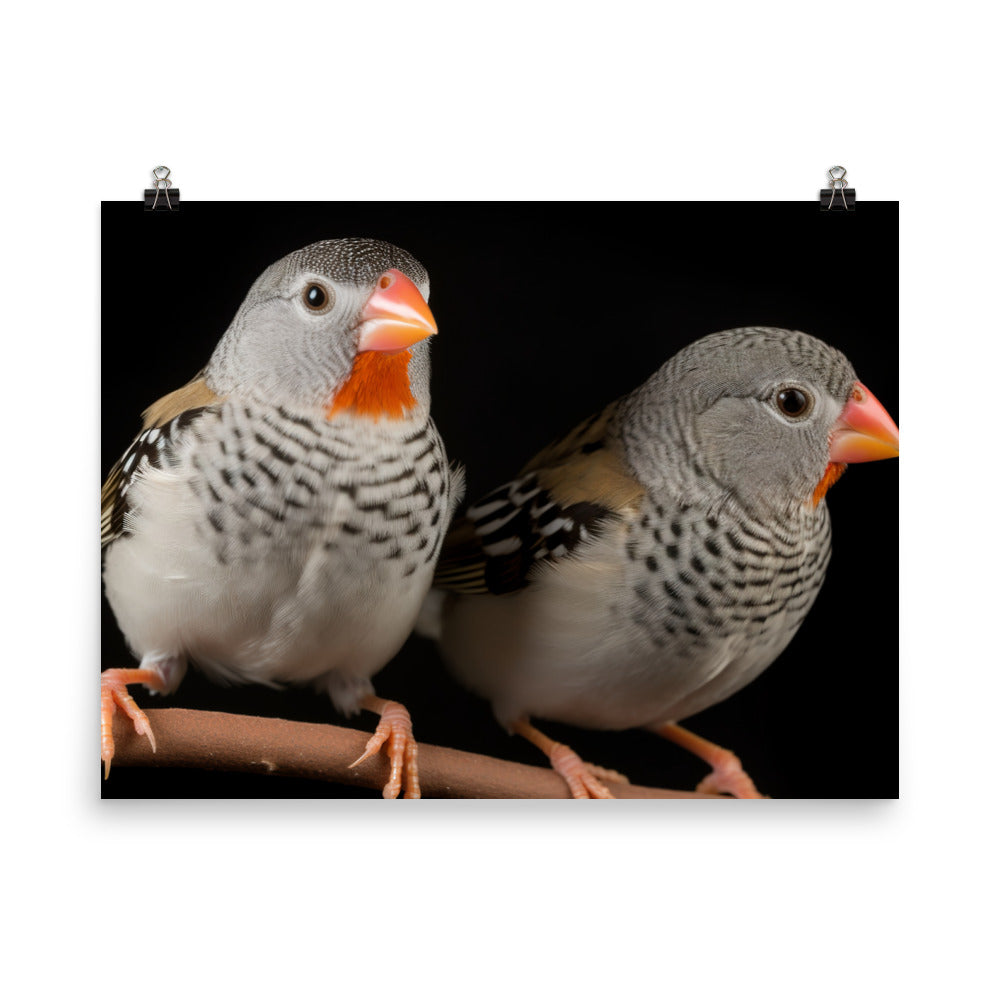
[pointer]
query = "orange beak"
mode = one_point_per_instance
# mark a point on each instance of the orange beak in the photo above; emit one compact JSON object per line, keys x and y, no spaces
{"x":396,"y":316}
{"x":864,"y":431}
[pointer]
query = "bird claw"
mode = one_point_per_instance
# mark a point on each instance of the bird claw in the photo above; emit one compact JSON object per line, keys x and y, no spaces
{"x":395,"y":728}
{"x":114,"y":695}
{"x":729,"y":778}
{"x":606,"y":773}
{"x":583,"y":779}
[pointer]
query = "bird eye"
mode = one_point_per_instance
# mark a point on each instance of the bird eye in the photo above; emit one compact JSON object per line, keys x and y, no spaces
{"x":316,"y":297}
{"x":793,"y":402}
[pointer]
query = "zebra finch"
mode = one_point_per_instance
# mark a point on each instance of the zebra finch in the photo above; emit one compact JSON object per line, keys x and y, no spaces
{"x":663,"y":554}
{"x":278,"y":518}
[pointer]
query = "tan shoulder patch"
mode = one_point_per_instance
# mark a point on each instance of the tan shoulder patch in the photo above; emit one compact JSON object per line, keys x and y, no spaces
{"x":193,"y":396}
{"x":587,"y":466}
{"x":188,"y":397}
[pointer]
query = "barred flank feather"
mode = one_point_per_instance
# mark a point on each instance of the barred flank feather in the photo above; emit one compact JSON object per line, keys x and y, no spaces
{"x":161,"y":426}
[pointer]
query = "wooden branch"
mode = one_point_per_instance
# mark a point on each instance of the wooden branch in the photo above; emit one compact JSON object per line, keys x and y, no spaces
{"x":221,"y":741}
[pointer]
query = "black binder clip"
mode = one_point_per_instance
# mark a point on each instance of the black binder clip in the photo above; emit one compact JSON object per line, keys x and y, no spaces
{"x":829,"y":200}
{"x":171,"y":199}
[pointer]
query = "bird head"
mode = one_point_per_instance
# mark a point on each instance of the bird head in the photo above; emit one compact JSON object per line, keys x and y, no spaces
{"x":338,"y":326}
{"x":768,"y":416}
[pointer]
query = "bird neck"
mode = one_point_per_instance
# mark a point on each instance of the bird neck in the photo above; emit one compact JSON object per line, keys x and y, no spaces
{"x":834,"y":471}
{"x":378,"y":387}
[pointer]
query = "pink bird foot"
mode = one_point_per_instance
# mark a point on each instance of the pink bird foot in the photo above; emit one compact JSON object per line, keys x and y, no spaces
{"x":727,"y":777}
{"x":585,"y":781}
{"x":394,"y":728}
{"x":114,"y":695}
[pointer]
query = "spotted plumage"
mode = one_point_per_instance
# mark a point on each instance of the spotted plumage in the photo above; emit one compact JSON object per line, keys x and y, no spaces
{"x":494,"y":546}
{"x":498,"y":540}
{"x":663,"y":554}
{"x":155,"y":447}
{"x":278,"y":519}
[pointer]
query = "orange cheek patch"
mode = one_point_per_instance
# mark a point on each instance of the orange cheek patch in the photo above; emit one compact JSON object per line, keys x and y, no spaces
{"x":834,"y":471}
{"x":379,"y":386}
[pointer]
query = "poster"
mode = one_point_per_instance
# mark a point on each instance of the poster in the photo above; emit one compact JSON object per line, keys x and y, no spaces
{"x":546,"y":312}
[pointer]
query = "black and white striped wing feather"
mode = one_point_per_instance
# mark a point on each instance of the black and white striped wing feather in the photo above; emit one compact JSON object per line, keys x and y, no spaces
{"x":153,"y":448}
{"x":493,"y":547}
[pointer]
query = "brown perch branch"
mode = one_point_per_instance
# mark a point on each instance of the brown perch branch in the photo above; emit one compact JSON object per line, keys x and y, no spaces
{"x":225,"y":742}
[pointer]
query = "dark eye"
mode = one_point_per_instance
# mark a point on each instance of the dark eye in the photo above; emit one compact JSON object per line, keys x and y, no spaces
{"x":316,"y":297}
{"x":793,"y":402}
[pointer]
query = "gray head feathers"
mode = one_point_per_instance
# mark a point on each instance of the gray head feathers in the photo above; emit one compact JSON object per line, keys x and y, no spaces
{"x":708,"y":427}
{"x":280,"y":350}
{"x":355,"y":261}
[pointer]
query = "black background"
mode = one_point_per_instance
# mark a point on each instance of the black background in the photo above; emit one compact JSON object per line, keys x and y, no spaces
{"x":547,"y":311}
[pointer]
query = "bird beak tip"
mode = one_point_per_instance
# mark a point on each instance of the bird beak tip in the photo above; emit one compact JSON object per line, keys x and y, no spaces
{"x":864,"y":432}
{"x":395,"y":316}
